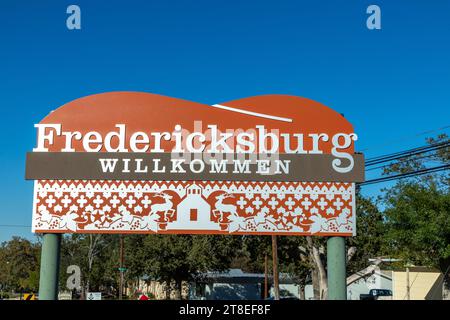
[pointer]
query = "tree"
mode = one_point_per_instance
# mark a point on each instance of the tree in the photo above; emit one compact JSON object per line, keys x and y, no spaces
{"x":173,"y":259}
{"x":292,"y":257}
{"x":294,"y":260}
{"x":253,"y":252}
{"x":316,"y":249}
{"x":418,"y":221}
{"x":19,"y":265}
{"x":97,"y":257}
{"x":369,"y":241}
{"x":418,"y":208}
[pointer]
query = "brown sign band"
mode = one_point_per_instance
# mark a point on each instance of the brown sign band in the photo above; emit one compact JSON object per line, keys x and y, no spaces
{"x":173,"y":167}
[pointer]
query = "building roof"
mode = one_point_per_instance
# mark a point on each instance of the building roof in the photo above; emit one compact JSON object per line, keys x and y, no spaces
{"x":239,"y":276}
{"x":236,"y":276}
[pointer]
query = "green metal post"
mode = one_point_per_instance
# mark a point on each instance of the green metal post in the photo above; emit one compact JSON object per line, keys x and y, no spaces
{"x":48,"y":281}
{"x":337,"y":286}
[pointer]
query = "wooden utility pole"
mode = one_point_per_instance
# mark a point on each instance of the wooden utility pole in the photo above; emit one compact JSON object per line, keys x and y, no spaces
{"x":121,"y":268}
{"x":266,"y":274}
{"x":408,"y":287}
{"x":275,"y":268}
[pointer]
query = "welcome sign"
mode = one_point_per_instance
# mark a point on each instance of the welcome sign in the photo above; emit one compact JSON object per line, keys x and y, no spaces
{"x":131,"y":162}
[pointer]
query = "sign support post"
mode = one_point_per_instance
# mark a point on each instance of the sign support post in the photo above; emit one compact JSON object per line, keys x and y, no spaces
{"x":336,"y":265}
{"x":48,"y":281}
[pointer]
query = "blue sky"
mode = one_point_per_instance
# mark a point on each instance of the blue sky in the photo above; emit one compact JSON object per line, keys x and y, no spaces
{"x":392,"y":84}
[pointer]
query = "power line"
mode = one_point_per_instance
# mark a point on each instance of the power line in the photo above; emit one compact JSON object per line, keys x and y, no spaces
{"x":407,"y":174}
{"x":402,"y":161}
{"x":405,"y":156}
{"x":407,"y":153}
{"x":402,"y":138}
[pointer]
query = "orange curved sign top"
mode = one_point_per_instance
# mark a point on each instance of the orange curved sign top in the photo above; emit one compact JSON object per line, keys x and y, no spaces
{"x":147,"y":113}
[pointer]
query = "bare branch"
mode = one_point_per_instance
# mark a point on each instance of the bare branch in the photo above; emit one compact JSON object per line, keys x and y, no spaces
{"x":363,"y":273}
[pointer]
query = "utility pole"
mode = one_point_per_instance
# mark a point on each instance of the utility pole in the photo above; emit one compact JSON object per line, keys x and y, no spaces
{"x":408,"y":287}
{"x":275,"y":267}
{"x":121,"y":268}
{"x":266,"y":271}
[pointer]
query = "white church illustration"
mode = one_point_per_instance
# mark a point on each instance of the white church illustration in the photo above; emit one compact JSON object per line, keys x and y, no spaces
{"x":193,"y":212}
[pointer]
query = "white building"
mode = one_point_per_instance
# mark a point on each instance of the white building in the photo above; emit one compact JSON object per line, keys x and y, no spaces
{"x":424,"y":284}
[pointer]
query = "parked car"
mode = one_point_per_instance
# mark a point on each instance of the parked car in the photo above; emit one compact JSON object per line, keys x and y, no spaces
{"x":377,"y":294}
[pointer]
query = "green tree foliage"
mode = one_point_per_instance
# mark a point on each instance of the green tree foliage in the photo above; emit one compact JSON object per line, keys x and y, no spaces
{"x":97,"y":256}
{"x":292,"y":256}
{"x":370,"y":234}
{"x":253,"y":252}
{"x":418,"y":210}
{"x":418,"y":221}
{"x":19,"y":265}
{"x":177,"y":258}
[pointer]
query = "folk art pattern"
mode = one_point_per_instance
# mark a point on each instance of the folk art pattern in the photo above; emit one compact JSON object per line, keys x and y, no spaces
{"x":207,"y":207}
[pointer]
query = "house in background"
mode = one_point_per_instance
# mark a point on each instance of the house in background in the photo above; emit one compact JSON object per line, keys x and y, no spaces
{"x":235,"y":284}
{"x":380,"y":279}
{"x":425,"y":284}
